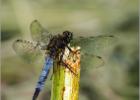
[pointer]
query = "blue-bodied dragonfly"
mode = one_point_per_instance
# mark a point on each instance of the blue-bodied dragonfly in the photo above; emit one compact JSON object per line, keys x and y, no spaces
{"x":54,"y":46}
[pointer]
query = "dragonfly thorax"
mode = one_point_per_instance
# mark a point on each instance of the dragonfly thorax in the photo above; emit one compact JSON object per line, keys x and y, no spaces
{"x":58,"y":43}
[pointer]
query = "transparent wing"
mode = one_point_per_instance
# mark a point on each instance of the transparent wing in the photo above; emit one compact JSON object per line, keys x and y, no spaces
{"x":91,"y":61}
{"x":94,"y":45}
{"x":91,"y":48}
{"x":39,"y":33}
{"x":27,"y":50}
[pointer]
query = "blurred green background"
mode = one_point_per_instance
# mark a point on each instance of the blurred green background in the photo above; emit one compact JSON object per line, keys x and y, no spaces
{"x":118,"y":79}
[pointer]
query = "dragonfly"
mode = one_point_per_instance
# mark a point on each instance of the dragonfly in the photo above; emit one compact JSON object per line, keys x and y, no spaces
{"x":54,"y":47}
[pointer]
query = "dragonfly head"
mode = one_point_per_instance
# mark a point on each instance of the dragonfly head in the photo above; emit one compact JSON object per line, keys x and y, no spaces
{"x":68,"y":36}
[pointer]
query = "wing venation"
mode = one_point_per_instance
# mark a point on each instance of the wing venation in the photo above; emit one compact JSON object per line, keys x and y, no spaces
{"x":26,"y":50}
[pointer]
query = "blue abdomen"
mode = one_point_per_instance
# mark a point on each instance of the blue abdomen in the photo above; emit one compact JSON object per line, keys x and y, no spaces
{"x":45,"y":71}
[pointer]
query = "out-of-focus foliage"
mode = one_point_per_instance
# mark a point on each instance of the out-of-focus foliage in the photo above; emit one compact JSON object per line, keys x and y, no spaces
{"x":116,"y":80}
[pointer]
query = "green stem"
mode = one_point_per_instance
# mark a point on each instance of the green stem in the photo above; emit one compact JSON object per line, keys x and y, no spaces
{"x":65,"y":84}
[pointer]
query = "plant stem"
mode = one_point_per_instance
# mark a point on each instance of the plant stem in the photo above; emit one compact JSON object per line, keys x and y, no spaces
{"x":65,"y":85}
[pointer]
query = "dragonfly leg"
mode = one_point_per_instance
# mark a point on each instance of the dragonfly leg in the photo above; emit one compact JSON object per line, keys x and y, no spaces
{"x":61,"y":57}
{"x":69,"y":48}
{"x":58,"y":63}
{"x":74,"y":52}
{"x":70,"y":68}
